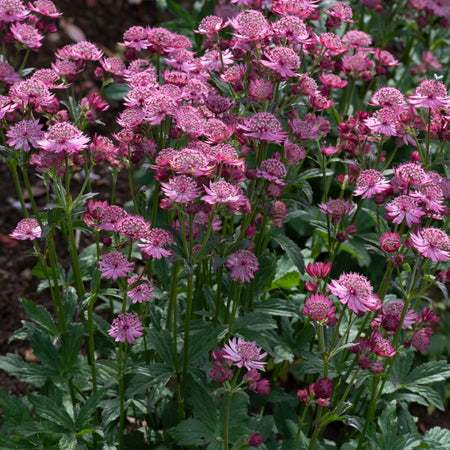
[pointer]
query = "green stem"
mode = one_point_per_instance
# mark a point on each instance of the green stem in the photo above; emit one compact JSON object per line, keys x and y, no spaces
{"x":227,"y":419}
{"x":300,"y":426}
{"x":187,"y":324}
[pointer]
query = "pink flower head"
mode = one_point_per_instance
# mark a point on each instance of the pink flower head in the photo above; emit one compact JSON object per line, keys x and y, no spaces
{"x":222,"y":192}
{"x":388,"y":97}
{"x":64,"y":137}
{"x":410,"y":174}
{"x":404,"y":208}
{"x":210,"y":26}
{"x":190,"y":161}
{"x":282,"y":60}
{"x":310,"y":127}
{"x":13,"y":11}
{"x":319,"y":307}
{"x":31,"y":92}
{"x":332,"y":81}
{"x":7,"y":73}
{"x":140,"y":289}
{"x":242,"y":265}
{"x":370,"y":182}
{"x":190,"y":121}
{"x":432,"y":243}
{"x":421,"y":339}
{"x":381,"y":346}
{"x":273,"y":170}
{"x":323,"y":388}
{"x":181,"y":189}
{"x":356,"y":39}
{"x":395,"y":309}
{"x":245,"y":354}
{"x":133,"y":227}
{"x":431,"y":196}
{"x":299,"y":8}
{"x":45,"y":7}
{"x":355,"y":291}
{"x":250,"y":25}
{"x":291,"y":28}
{"x":115,"y":265}
{"x":337,"y":207}
{"x":430,"y":94}
{"x":154,"y":243}
{"x":383,"y":121}
{"x":126,"y":328}
{"x":24,"y":134}
{"x":135,"y":37}
{"x":255,"y":440}
{"x":82,"y":50}
{"x":390,"y":242}
{"x":318,"y":269}
{"x":341,"y":11}
{"x":27,"y":35}
{"x":27,"y":229}
{"x":264,"y":126}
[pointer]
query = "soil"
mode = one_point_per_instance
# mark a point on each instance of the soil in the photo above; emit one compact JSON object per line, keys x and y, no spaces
{"x":102,"y":22}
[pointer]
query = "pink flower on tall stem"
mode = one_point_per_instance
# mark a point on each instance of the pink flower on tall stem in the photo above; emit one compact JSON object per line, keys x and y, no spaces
{"x":430,"y":94}
{"x":126,"y":328}
{"x":24,"y":134}
{"x":243,"y":353}
{"x":243,"y":264}
{"x":432,"y":243}
{"x":27,"y":229}
{"x":355,"y":291}
{"x":404,"y":208}
{"x":64,"y":137}
{"x":155,"y":242}
{"x":369,"y":183}
{"x":319,"y":307}
{"x":141,"y":289}
{"x":181,"y":189}
{"x":115,"y":265}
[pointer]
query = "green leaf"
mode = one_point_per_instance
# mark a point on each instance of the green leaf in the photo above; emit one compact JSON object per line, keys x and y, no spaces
{"x":69,"y":301}
{"x":203,"y":342}
{"x":429,"y":373}
{"x":86,"y":413}
{"x":68,"y":442}
{"x":88,"y":263}
{"x":30,"y":373}
{"x":14,"y":411}
{"x":44,"y":349}
{"x":163,"y":343}
{"x":116,"y":91}
{"x":437,"y":438}
{"x":70,"y":345}
{"x":39,"y":315}
{"x":48,"y":409}
{"x":203,"y":405}
{"x":291,"y":249}
{"x":277,"y":307}
{"x":267,"y":268}
{"x":193,"y":432}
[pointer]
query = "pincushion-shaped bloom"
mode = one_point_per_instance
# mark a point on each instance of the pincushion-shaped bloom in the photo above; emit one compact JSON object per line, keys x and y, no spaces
{"x":390,"y":242}
{"x":155,"y":242}
{"x":31,"y":92}
{"x":242,"y":265}
{"x":6,"y":105}
{"x":82,"y":50}
{"x":135,"y":37}
{"x":27,"y":229}
{"x":323,"y":388}
{"x":431,"y":196}
{"x":244,"y":354}
{"x":126,"y":328}
{"x":63,"y":137}
{"x":190,"y":121}
{"x":7,"y":73}
{"x":133,"y":227}
{"x":298,"y":8}
{"x":181,"y":189}
{"x":273,"y":170}
{"x":27,"y":35}
{"x":310,"y":127}
{"x":383,"y":121}
{"x":250,"y":25}
{"x":388,"y":97}
{"x":190,"y":161}
{"x":157,"y":106}
{"x":404,"y":208}
{"x":115,"y":265}
{"x":318,"y":307}
{"x":318,"y":269}
{"x":370,"y":182}
{"x":210,"y":26}
{"x":222,"y":192}
{"x":410,"y":174}
{"x":357,"y":39}
{"x":264,"y":126}
{"x":291,"y":28}
{"x":381,"y":346}
{"x":432,"y":243}
{"x":430,"y":94}
{"x":332,"y":80}
{"x":282,"y":60}
{"x":45,"y":7}
{"x":141,"y":289}
{"x":341,"y":11}
{"x":13,"y":11}
{"x":355,"y":291}
{"x":421,"y":339}
{"x":337,"y":207}
{"x":395,"y":309}
{"x":24,"y":134}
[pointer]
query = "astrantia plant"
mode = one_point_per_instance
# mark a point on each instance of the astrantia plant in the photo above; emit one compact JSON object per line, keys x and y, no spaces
{"x":282,"y":256}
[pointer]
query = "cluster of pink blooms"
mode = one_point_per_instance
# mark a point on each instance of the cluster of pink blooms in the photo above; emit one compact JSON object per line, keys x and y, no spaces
{"x":320,"y":391}
{"x":240,"y":353}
